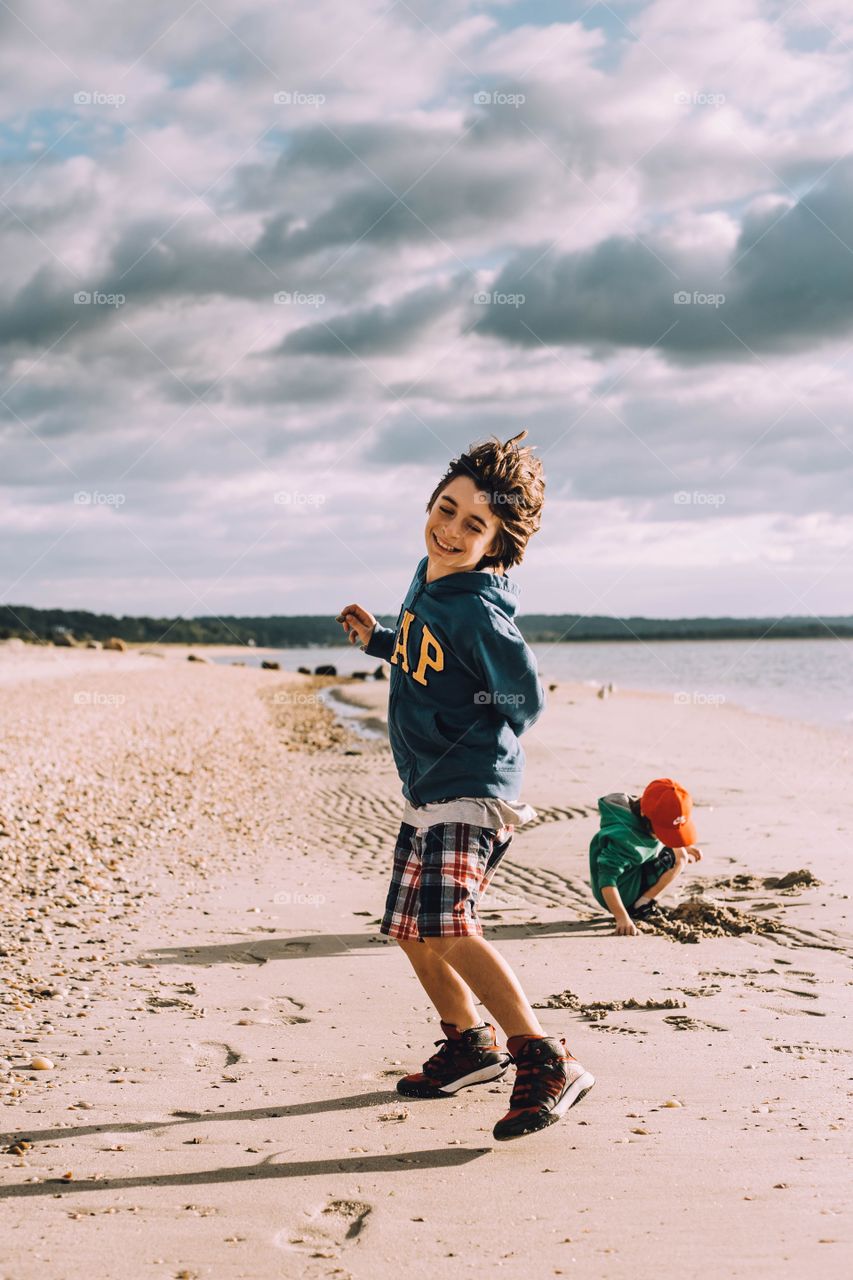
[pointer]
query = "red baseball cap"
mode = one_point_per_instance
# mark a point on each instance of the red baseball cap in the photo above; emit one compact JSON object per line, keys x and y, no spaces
{"x":667,"y":806}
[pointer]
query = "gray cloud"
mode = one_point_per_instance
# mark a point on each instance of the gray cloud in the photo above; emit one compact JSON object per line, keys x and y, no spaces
{"x":788,"y":285}
{"x":374,"y":330}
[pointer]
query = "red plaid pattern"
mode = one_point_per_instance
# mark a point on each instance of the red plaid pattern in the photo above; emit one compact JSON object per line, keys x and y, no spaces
{"x":439,"y":877}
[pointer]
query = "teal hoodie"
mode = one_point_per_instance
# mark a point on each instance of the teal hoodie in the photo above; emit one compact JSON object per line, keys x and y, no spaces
{"x":464,"y":687}
{"x":618,"y":850}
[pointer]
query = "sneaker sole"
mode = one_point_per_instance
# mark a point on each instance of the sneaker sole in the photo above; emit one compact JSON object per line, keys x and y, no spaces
{"x":483,"y":1076}
{"x":577,"y":1090}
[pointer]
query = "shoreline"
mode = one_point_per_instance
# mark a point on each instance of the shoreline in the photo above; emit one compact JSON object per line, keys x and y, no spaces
{"x":37,"y":660}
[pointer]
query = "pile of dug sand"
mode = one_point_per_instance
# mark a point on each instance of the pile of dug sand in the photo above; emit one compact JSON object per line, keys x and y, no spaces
{"x":802,"y":879}
{"x":701,"y":918}
{"x":789,"y":883}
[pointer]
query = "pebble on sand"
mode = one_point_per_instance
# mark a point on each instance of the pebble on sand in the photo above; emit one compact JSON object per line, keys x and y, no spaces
{"x":40,"y":1064}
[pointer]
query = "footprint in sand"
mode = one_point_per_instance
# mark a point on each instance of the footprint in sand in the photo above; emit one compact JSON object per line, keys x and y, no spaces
{"x":682,"y":1022}
{"x":807,"y":1050}
{"x":212,"y":1055}
{"x":327,"y":1230}
{"x":288,"y":1010}
{"x":625,"y":1031}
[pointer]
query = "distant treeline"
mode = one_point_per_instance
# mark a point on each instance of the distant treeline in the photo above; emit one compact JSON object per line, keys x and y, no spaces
{"x":301,"y":632}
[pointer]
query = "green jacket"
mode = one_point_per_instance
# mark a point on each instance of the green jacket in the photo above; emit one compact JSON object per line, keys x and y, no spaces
{"x":618,"y":850}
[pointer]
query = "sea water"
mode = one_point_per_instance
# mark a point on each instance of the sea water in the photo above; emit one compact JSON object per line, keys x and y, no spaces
{"x":809,"y":680}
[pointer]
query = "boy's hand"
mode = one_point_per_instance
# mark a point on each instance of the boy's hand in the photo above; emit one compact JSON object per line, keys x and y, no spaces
{"x":694,"y":853}
{"x":625,"y":927}
{"x":358,"y":623}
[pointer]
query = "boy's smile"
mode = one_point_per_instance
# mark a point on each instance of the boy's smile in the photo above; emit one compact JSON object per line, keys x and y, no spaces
{"x":460,"y":529}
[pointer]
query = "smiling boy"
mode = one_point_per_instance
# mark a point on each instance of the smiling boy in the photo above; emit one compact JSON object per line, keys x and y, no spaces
{"x":464,"y":687}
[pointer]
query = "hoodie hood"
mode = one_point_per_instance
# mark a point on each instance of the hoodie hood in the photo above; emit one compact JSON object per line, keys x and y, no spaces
{"x":496,"y":588}
{"x":618,"y":821}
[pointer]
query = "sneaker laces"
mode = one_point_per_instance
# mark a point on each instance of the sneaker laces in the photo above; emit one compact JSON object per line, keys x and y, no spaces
{"x":448,"y":1050}
{"x":532,"y":1078}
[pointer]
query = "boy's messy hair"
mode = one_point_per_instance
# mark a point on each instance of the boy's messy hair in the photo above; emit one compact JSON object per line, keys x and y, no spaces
{"x":513,"y":478}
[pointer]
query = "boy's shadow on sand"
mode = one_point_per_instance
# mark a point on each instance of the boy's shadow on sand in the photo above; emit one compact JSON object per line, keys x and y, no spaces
{"x":405,"y":1161}
{"x":317,"y":945}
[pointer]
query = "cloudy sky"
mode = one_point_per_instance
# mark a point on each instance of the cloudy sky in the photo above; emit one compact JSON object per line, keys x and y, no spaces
{"x":267,"y":266}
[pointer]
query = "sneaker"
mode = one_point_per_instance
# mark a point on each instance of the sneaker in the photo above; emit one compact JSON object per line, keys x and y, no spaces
{"x":646,"y":911}
{"x":548,"y":1081}
{"x":464,"y":1058}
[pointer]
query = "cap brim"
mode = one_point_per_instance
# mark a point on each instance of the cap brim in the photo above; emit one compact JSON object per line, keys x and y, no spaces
{"x":679,"y":837}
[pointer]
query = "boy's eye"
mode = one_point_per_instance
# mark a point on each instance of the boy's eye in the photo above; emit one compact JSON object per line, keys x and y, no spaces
{"x":445,"y":511}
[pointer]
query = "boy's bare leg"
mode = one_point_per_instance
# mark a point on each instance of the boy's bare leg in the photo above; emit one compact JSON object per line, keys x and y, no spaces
{"x":451,"y":996}
{"x":485,"y":972}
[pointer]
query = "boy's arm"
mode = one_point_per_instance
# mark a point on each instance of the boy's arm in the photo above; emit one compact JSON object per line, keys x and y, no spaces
{"x":381,"y":642}
{"x":510,"y":677}
{"x":624,"y":924}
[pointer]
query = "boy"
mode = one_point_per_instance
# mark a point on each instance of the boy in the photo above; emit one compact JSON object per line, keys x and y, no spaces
{"x":464,"y":687}
{"x":644,"y":843}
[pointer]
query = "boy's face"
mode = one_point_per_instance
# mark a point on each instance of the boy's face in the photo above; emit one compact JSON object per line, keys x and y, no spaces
{"x":460,"y":528}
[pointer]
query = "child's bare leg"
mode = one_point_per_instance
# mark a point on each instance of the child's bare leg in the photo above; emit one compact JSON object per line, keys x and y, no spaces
{"x":451,"y":996}
{"x":659,"y":886}
{"x":487,"y":974}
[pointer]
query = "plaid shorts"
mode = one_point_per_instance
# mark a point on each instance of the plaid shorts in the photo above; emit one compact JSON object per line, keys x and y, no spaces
{"x":440,"y":874}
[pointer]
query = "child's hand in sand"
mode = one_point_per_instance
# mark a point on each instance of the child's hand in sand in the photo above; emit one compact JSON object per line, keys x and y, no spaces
{"x":694,"y":853}
{"x":625,"y":927}
{"x":358,"y":623}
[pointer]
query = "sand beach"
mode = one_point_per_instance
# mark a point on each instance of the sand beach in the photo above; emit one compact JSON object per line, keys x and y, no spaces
{"x":194,"y":860}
